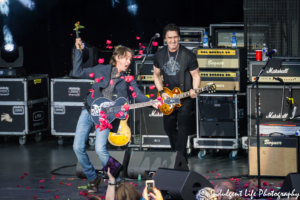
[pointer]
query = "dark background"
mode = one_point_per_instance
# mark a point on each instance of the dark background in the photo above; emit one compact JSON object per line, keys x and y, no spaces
{"x":45,"y":33}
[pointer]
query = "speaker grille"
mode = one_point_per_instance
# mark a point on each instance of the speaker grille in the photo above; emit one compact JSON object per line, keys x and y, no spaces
{"x":274,"y":22}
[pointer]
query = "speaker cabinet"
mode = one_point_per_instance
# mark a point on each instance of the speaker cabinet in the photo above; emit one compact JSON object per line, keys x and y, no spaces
{"x":179,"y":184}
{"x":143,"y":162}
{"x":121,"y":156}
{"x":278,"y":156}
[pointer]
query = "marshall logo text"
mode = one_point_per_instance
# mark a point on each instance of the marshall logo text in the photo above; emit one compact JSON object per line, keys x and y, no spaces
{"x":210,"y":62}
{"x":274,"y":116}
{"x":277,"y":71}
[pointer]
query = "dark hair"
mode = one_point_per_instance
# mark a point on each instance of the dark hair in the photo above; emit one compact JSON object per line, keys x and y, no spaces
{"x":171,"y":27}
{"x":119,"y":52}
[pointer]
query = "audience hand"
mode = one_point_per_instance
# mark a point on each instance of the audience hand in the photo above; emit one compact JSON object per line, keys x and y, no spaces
{"x":110,"y":177}
{"x":155,"y":196}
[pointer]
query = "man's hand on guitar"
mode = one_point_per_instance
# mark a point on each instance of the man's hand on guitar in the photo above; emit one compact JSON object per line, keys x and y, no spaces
{"x":165,"y":96}
{"x":193,"y":93}
{"x":157,"y":104}
{"x":78,"y":42}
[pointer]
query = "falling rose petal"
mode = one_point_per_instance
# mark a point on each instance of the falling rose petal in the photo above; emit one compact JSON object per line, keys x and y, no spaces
{"x":61,"y":183}
{"x":71,"y":34}
{"x":216,"y":177}
{"x":212,"y":183}
{"x":42,"y":181}
{"x":206,"y":177}
{"x":271,"y":189}
{"x":48,"y":190}
{"x":41,"y":186}
{"x":22,"y":177}
{"x":121,"y":113}
{"x":126,"y":107}
{"x":126,"y":116}
{"x":212,"y":171}
{"x":25,"y":174}
{"x":159,"y":98}
{"x":102,"y":78}
{"x":134,"y":95}
{"x":91,"y":90}
{"x":92,"y":75}
{"x":167,"y":84}
{"x":138,"y":38}
{"x":18,"y":185}
{"x":108,"y":42}
{"x":28,"y":188}
{"x":140,"y":44}
{"x":111,"y":82}
{"x":110,"y":47}
{"x":107,"y":46}
{"x":101,"y":60}
{"x":152,"y":87}
{"x":130,"y":88}
{"x":237,"y":179}
{"x":151,"y":95}
{"x":34,"y":197}
{"x":92,"y":95}
{"x":68,"y":183}
{"x":129,"y":78}
{"x":235,"y":187}
{"x":56,"y":197}
{"x":117,"y":115}
{"x":216,"y":169}
{"x":232,"y":179}
{"x":134,"y":184}
{"x":102,"y":197}
{"x":84,"y":179}
{"x":130,"y":183}
{"x":97,"y":126}
{"x":97,"y":80}
{"x":254,"y":180}
{"x":218,"y":174}
{"x":141,"y":52}
{"x":52,"y":178}
{"x":265,"y":183}
{"x":207,"y":171}
{"x":155,"y":43}
{"x":143,"y":47}
{"x":122,"y":77}
{"x":109,"y":126}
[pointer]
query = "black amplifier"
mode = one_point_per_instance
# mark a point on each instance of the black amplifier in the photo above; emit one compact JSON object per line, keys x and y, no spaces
{"x":270,"y":103}
{"x":225,"y":80}
{"x":147,"y":70}
{"x":289,"y":72}
{"x":219,"y":58}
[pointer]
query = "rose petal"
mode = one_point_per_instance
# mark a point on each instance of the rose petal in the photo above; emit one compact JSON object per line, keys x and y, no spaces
{"x":102,"y":197}
{"x":111,"y":82}
{"x":92,"y":75}
{"x":137,"y":57}
{"x":109,"y":126}
{"x":91,"y":90}
{"x":101,"y":60}
{"x":108,"y":42}
{"x":138,"y":38}
{"x":155,"y":44}
{"x":28,"y":188}
{"x":126,"y":116}
{"x":121,"y":113}
{"x":134,"y":184}
{"x":56,"y":197}
{"x":130,"y":88}
{"x":152,"y":87}
{"x":117,"y":115}
{"x":237,"y":179}
{"x":151,"y":95}
{"x":216,"y":169}
{"x":218,"y":174}
{"x":102,"y":78}
{"x":71,"y":34}
{"x":25,"y":174}
{"x":52,"y":178}
{"x":18,"y":185}
{"x":61,"y":183}
{"x":141,"y":52}
{"x":68,"y":183}
{"x":232,"y":179}
{"x":42,"y":181}
{"x":159,"y":98}
{"x":212,"y":171}
{"x":134,"y":95}
{"x":41,"y":186}
{"x":97,"y":80}
{"x":140,"y":44}
{"x":265,"y":183}
{"x":34,"y":197}
{"x":207,"y":171}
{"x":92,"y":95}
{"x":167,"y":84}
{"x":110,"y":47}
{"x":22,"y":177}
{"x":122,"y":77}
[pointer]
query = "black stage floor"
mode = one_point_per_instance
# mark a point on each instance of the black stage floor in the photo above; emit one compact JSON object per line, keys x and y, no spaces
{"x":38,"y":159}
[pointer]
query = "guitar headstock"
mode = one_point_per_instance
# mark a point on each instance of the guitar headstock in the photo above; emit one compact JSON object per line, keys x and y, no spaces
{"x":210,"y":88}
{"x":171,"y":101}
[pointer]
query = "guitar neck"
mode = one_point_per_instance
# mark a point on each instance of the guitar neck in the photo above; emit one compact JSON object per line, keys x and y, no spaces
{"x":187,"y":94}
{"x":141,"y":105}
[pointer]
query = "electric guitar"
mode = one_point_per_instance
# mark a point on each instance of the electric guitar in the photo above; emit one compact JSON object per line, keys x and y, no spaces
{"x":177,"y":93}
{"x":115,"y":109}
{"x":122,"y":136}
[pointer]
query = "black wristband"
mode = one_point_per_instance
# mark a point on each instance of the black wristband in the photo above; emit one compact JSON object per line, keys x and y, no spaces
{"x":161,"y":92}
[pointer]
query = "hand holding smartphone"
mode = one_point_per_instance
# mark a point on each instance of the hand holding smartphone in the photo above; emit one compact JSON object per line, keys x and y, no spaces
{"x":150,"y":186}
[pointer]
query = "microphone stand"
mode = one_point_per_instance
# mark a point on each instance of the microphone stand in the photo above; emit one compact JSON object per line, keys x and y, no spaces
{"x":139,"y":74}
{"x":257,"y":124}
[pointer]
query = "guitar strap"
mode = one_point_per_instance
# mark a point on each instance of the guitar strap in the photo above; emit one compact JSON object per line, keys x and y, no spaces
{"x":182,"y":67}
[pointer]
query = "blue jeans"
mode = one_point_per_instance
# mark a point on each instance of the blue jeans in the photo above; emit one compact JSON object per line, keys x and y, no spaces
{"x":84,"y":125}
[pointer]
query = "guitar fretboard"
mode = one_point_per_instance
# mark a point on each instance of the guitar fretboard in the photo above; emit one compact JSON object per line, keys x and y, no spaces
{"x":187,"y":94}
{"x":141,"y":105}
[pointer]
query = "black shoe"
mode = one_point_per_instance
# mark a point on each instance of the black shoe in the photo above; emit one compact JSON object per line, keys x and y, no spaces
{"x":94,"y":184}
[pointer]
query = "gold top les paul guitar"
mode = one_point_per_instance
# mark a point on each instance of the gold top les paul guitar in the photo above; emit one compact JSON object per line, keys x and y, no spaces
{"x":177,"y":93}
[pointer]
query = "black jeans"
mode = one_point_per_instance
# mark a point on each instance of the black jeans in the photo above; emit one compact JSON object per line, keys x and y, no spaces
{"x":178,"y":134}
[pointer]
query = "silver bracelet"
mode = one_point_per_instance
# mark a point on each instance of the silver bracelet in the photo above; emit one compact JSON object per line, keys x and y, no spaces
{"x":112,"y":183}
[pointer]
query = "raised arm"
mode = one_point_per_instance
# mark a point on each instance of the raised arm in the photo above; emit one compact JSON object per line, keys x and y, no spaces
{"x":78,"y":70}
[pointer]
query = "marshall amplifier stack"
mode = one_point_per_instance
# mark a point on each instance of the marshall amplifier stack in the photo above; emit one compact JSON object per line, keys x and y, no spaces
{"x":224,"y":67}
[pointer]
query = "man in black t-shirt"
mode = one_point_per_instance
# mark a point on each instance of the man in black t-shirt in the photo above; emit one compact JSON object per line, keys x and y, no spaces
{"x":175,"y":61}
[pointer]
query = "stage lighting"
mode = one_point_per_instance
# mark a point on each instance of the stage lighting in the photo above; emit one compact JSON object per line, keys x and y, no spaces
{"x":4,"y":9}
{"x":27,"y":3}
{"x":132,"y":8}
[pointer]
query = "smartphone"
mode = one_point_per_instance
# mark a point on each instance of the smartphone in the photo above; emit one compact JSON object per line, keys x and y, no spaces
{"x":150,"y":186}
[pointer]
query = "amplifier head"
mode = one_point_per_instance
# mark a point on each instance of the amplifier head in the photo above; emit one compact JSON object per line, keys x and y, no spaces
{"x":219,"y":58}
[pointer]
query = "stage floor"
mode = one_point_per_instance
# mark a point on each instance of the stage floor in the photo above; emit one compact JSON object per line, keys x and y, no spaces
{"x":38,"y":159}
